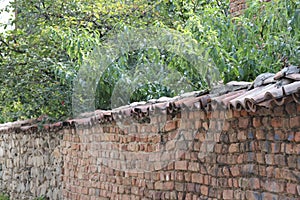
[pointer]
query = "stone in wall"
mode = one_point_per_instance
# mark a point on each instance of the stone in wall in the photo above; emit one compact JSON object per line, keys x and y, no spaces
{"x":30,"y":163}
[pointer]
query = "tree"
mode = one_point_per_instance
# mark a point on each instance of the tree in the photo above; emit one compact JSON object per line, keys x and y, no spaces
{"x":40,"y":58}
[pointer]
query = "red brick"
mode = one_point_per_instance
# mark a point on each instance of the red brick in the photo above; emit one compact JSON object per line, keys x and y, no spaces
{"x":215,"y":114}
{"x":279,"y":135}
{"x":168,"y":185}
{"x":257,"y":122}
{"x":187,"y":176}
{"x":254,"y":183}
{"x":240,"y":159}
{"x":204,"y":190}
{"x":205,"y":126}
{"x":291,"y":188}
{"x":236,"y":114}
{"x":228,"y":194}
{"x":260,"y":158}
{"x":267,"y":195}
{"x":297,"y":137}
{"x":273,"y":186}
{"x":180,"y":186}
{"x":235,"y":170}
{"x":291,"y":109}
{"x":170,"y":125}
{"x":266,"y":121}
{"x":288,"y":148}
{"x":159,"y":185}
{"x":275,"y":147}
{"x":292,"y":161}
{"x":234,"y":148}
{"x":295,"y":122}
{"x":253,"y":195}
{"x":181,"y":165}
{"x":244,"y":113}
{"x":241,"y":135}
{"x":84,"y":190}
{"x":206,"y":180}
{"x":229,"y":114}
{"x":278,"y":111}
{"x":197,"y":178}
{"x":218,"y":148}
{"x":291,"y":175}
{"x":226,"y":171}
{"x":238,"y":194}
{"x":260,"y":134}
{"x":190,"y":187}
{"x":276,"y":122}
{"x":270,"y":159}
{"x":243,"y":122}
{"x":280,"y":160}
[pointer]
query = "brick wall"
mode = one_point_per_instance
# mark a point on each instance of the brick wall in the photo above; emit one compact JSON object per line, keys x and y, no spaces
{"x":170,"y":154}
{"x":253,"y":156}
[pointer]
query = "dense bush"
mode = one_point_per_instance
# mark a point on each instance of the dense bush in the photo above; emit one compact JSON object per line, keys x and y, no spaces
{"x":41,"y":57}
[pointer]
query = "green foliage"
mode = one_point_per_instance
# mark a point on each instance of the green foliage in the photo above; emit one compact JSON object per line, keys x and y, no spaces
{"x":41,"y":57}
{"x":4,"y":197}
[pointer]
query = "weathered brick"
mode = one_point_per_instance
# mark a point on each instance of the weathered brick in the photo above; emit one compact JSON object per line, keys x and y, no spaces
{"x":197,"y":178}
{"x":187,"y":176}
{"x":279,"y":111}
{"x":292,"y":161}
{"x":236,"y":114}
{"x":273,"y":186}
{"x":267,"y":195}
{"x":242,"y":135}
{"x":266,"y":121}
{"x":193,"y":166}
{"x":190,"y":187}
{"x":180,"y":186}
{"x":254,"y":183}
{"x":275,"y":147}
{"x":276,"y":122}
{"x":234,"y":148}
{"x":279,"y":135}
{"x":181,"y":165}
{"x":291,"y":109}
{"x":170,"y":126}
{"x":295,"y":122}
{"x":291,"y":188}
{"x":260,"y":158}
{"x":204,"y":190}
{"x":235,"y":170}
{"x":260,"y":134}
{"x":168,"y":185}
{"x":228,"y":194}
{"x":253,"y":195}
{"x":159,"y":185}
{"x":238,"y":194}
{"x":256,"y":121}
{"x":280,"y":160}
{"x":243,"y":122}
{"x":297,"y":136}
